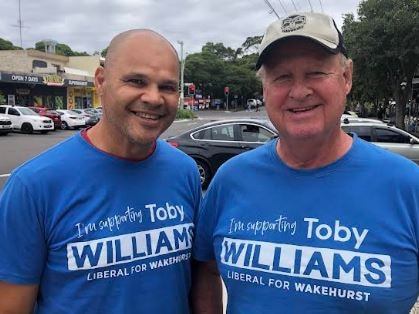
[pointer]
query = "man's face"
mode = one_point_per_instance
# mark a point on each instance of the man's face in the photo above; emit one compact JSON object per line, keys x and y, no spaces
{"x":139,"y":90}
{"x":305,"y":89}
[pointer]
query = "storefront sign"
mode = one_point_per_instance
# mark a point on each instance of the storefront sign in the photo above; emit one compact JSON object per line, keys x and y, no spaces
{"x":78,"y":83}
{"x":53,"y":80}
{"x":21,"y":78}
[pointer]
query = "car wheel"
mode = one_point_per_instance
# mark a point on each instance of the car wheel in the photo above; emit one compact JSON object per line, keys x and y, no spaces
{"x":64,"y":125}
{"x":27,"y":128}
{"x":204,"y":173}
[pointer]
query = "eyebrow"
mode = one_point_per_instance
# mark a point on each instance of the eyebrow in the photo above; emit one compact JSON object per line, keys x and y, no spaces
{"x":146,"y":77}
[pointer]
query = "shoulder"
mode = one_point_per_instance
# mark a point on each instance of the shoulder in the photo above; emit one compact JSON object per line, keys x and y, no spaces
{"x":58,"y":155}
{"x":173,"y":155}
{"x":385,"y":162}
{"x":248,"y":162}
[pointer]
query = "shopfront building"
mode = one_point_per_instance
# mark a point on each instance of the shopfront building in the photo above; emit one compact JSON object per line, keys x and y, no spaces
{"x":51,"y":91}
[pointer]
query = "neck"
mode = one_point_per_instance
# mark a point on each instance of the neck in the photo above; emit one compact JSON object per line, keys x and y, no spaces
{"x":106,"y":141}
{"x":312,"y":153}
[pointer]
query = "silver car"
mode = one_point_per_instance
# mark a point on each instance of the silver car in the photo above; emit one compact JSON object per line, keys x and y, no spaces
{"x":386,"y":136}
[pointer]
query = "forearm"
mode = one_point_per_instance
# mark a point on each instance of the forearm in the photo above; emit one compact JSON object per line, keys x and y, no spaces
{"x":17,"y":299}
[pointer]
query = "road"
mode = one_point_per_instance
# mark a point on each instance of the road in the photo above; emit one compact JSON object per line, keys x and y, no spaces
{"x":16,"y":148}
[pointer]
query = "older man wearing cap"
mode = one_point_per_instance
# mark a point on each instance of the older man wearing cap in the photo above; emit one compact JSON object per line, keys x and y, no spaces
{"x":318,"y":221}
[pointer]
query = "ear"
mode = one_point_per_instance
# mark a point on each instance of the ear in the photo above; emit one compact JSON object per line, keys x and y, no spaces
{"x":99,"y":79}
{"x":347,"y":75}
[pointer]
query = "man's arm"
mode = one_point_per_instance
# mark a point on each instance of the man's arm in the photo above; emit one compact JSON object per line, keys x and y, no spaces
{"x":17,"y":298}
{"x":206,"y":291}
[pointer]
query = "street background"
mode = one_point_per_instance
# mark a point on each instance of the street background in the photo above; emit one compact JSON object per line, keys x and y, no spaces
{"x":16,"y":148}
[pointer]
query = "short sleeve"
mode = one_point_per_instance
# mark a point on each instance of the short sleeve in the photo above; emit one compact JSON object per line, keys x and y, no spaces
{"x":22,"y":241}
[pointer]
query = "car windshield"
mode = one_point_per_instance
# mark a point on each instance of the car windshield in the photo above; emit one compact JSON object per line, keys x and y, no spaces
{"x":72,"y":112}
{"x":27,"y":112}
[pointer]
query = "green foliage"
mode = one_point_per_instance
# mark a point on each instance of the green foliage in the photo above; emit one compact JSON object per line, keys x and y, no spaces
{"x":252,"y":43}
{"x":383,"y":44}
{"x":8,"y":45}
{"x":185,"y":114}
{"x":60,"y":49}
{"x":218,"y":66}
{"x":104,"y":52}
{"x":2,"y":99}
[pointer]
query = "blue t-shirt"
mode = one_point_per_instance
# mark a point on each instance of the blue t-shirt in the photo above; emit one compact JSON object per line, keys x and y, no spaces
{"x":100,"y":234}
{"x":337,"y":239}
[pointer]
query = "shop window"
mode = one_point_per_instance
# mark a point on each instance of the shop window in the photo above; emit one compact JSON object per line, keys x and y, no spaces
{"x":39,"y":64}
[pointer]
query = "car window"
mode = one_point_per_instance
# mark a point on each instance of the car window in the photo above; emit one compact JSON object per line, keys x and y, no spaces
{"x":222,"y":133}
{"x":217,"y":133}
{"x":13,"y":112}
{"x":27,"y":112}
{"x":363,"y":132}
{"x":2,"y":109}
{"x":390,"y":136}
{"x":254,"y":133}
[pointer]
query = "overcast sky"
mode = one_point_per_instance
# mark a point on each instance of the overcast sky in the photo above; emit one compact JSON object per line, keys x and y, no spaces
{"x":88,"y":25}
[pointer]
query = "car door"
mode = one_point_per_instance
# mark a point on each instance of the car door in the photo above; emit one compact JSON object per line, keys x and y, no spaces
{"x":363,"y":131}
{"x":251,"y":135}
{"x":218,"y":143}
{"x":396,"y":141}
{"x":15,"y":116}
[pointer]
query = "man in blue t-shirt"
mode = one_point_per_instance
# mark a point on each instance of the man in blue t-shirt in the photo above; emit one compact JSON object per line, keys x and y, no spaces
{"x":317,"y":221}
{"x":103,"y":222}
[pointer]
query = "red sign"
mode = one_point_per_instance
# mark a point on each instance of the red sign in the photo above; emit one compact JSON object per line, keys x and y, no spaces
{"x":226,"y":90}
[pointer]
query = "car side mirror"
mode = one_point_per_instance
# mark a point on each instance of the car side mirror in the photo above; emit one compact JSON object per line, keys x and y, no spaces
{"x":413,"y":141}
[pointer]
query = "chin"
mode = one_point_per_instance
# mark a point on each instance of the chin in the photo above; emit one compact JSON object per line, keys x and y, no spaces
{"x":304,"y":133}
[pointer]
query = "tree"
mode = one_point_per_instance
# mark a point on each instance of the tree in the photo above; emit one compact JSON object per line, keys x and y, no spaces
{"x":218,"y":49}
{"x":251,"y":44}
{"x":60,"y":49}
{"x":218,"y":66}
{"x":104,"y":52}
{"x":8,"y":45}
{"x":383,"y":44}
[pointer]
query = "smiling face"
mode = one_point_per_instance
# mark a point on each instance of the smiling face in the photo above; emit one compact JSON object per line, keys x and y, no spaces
{"x":138,"y":89}
{"x":305,"y":89}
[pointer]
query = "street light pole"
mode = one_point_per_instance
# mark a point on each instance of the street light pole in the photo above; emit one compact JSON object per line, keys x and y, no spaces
{"x":182,"y":70}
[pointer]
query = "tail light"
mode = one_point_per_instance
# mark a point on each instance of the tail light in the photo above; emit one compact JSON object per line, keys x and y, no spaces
{"x":174,"y":144}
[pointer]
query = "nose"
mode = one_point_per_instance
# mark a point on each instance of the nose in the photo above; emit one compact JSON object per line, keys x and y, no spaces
{"x":300,"y":90}
{"x":151,"y":95}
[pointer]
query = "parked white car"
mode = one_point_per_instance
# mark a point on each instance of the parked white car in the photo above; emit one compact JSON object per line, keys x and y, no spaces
{"x":253,"y":103}
{"x":27,"y":120}
{"x":5,"y":125}
{"x":71,"y":119}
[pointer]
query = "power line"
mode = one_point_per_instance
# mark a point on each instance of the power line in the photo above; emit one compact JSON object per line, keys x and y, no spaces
{"x":310,"y":5}
{"x":321,"y":5}
{"x":283,"y":8}
{"x":271,"y":8}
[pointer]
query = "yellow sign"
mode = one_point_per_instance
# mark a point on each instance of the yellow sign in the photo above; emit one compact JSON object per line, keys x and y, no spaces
{"x":53,"y":79}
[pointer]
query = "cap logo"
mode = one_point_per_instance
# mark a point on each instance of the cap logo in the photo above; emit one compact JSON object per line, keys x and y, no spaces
{"x":293,"y":23}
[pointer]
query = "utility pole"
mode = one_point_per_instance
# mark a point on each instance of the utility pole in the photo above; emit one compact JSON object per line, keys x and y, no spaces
{"x":182,"y":70}
{"x":20,"y":25}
